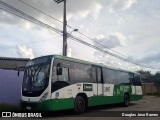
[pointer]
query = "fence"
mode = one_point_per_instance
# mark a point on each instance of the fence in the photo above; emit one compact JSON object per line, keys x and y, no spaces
{"x":149,"y":88}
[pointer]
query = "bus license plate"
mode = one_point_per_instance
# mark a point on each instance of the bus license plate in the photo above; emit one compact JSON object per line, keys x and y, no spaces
{"x":28,"y":108}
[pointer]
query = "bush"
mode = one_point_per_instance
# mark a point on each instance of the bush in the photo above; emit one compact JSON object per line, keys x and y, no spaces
{"x":9,"y":107}
{"x":155,"y":94}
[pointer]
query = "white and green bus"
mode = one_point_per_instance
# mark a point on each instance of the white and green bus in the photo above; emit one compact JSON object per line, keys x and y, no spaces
{"x":56,"y":82}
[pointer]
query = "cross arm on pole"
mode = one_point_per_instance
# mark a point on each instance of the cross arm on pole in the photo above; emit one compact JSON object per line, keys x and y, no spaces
{"x":58,"y":1}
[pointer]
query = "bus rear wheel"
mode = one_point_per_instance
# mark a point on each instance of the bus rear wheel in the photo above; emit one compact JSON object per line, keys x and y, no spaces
{"x":126,"y":100}
{"x":79,"y":105}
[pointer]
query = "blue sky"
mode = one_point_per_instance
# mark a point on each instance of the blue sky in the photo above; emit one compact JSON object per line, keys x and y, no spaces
{"x":130,"y":27}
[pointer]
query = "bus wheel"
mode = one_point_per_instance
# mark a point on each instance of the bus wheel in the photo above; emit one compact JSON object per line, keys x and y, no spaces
{"x":126,"y":100}
{"x":79,"y":105}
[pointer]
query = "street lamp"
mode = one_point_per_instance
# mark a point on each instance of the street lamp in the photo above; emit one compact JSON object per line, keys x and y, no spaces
{"x":64,"y":27}
{"x":75,"y":30}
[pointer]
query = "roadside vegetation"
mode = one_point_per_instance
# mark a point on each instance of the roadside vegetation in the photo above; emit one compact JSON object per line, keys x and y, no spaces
{"x":149,"y":77}
{"x":9,"y":107}
{"x":154,"y":94}
{"x":146,"y":76}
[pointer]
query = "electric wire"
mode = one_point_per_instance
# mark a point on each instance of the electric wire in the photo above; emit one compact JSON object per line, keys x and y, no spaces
{"x":23,"y":15}
{"x":77,"y":31}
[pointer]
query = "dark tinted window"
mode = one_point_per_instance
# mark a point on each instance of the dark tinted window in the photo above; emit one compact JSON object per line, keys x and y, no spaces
{"x":109,"y":76}
{"x":94,"y":74}
{"x":82,"y":72}
{"x":71,"y":74}
{"x":131,"y":78}
{"x":75,"y":72}
{"x":99,"y":77}
{"x":123,"y":78}
{"x":137,"y":81}
{"x":115,"y":77}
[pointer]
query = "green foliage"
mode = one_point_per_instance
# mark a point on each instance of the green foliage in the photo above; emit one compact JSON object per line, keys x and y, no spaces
{"x":9,"y":107}
{"x":155,"y":78}
{"x":154,"y":94}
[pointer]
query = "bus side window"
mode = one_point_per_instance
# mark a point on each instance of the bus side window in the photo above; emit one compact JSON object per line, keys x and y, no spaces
{"x":94,"y":74}
{"x":131,"y":78}
{"x":137,"y":81}
{"x":64,"y":76}
{"x":109,"y":76}
{"x":99,"y":77}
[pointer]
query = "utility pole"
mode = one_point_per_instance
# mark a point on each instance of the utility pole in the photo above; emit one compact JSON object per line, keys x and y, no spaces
{"x":64,"y":27}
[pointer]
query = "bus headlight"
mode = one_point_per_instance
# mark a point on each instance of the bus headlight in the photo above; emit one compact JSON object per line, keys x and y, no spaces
{"x":43,"y":97}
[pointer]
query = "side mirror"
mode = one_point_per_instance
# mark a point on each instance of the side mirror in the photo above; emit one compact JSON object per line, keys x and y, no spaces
{"x":18,"y":72}
{"x":59,"y":69}
{"x":19,"y":69}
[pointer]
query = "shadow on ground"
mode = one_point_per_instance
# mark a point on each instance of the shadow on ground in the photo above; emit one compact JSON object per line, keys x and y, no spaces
{"x":102,"y":110}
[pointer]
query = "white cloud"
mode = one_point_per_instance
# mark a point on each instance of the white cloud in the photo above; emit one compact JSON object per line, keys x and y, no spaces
{"x":111,"y":40}
{"x":122,"y":5}
{"x":141,"y":40}
{"x":122,"y":38}
{"x":81,"y":26}
{"x":100,"y":36}
{"x":120,"y":21}
{"x":27,"y":25}
{"x":84,"y":8}
{"x":24,"y":51}
{"x":76,"y":10}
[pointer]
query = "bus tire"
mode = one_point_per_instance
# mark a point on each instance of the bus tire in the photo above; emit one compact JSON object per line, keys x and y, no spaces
{"x":79,"y":105}
{"x":126,"y":100}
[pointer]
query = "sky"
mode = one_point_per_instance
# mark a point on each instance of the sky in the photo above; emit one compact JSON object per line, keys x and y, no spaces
{"x":129,"y":27}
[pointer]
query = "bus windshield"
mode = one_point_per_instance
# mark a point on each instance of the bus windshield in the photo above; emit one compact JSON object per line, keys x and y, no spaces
{"x":36,"y":77}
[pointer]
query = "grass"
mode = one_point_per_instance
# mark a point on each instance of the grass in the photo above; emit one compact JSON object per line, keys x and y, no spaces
{"x":9,"y":107}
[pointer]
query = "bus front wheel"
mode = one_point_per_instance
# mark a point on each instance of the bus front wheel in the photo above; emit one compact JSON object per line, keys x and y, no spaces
{"x":79,"y":105}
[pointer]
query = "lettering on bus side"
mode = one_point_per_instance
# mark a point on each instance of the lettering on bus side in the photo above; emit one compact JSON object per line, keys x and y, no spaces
{"x":107,"y":89}
{"x":87,"y":87}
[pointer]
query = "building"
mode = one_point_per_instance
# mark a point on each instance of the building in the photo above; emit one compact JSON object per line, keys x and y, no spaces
{"x":8,"y":63}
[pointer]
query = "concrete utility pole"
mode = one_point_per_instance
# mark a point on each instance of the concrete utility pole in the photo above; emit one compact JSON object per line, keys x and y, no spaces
{"x":64,"y":27}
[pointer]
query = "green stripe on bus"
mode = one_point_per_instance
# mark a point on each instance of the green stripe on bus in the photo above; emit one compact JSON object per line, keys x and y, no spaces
{"x":68,"y":103}
{"x":136,"y":97}
{"x":56,"y":104}
{"x":101,"y":100}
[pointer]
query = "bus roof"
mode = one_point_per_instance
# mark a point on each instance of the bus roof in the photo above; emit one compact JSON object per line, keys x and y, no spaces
{"x":86,"y":62}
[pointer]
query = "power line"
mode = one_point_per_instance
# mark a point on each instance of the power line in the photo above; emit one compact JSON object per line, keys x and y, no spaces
{"x":25,"y":16}
{"x":106,"y":52}
{"x":39,"y":11}
{"x":12,"y":46}
{"x":77,"y":31}
{"x":34,"y":20}
{"x":43,"y":13}
{"x":99,"y":43}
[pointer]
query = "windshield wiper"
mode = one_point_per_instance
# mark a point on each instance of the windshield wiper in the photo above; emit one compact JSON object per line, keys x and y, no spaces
{"x":36,"y":73}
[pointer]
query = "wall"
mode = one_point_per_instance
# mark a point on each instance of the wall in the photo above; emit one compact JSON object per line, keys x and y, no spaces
{"x":10,"y":86}
{"x":149,"y":88}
